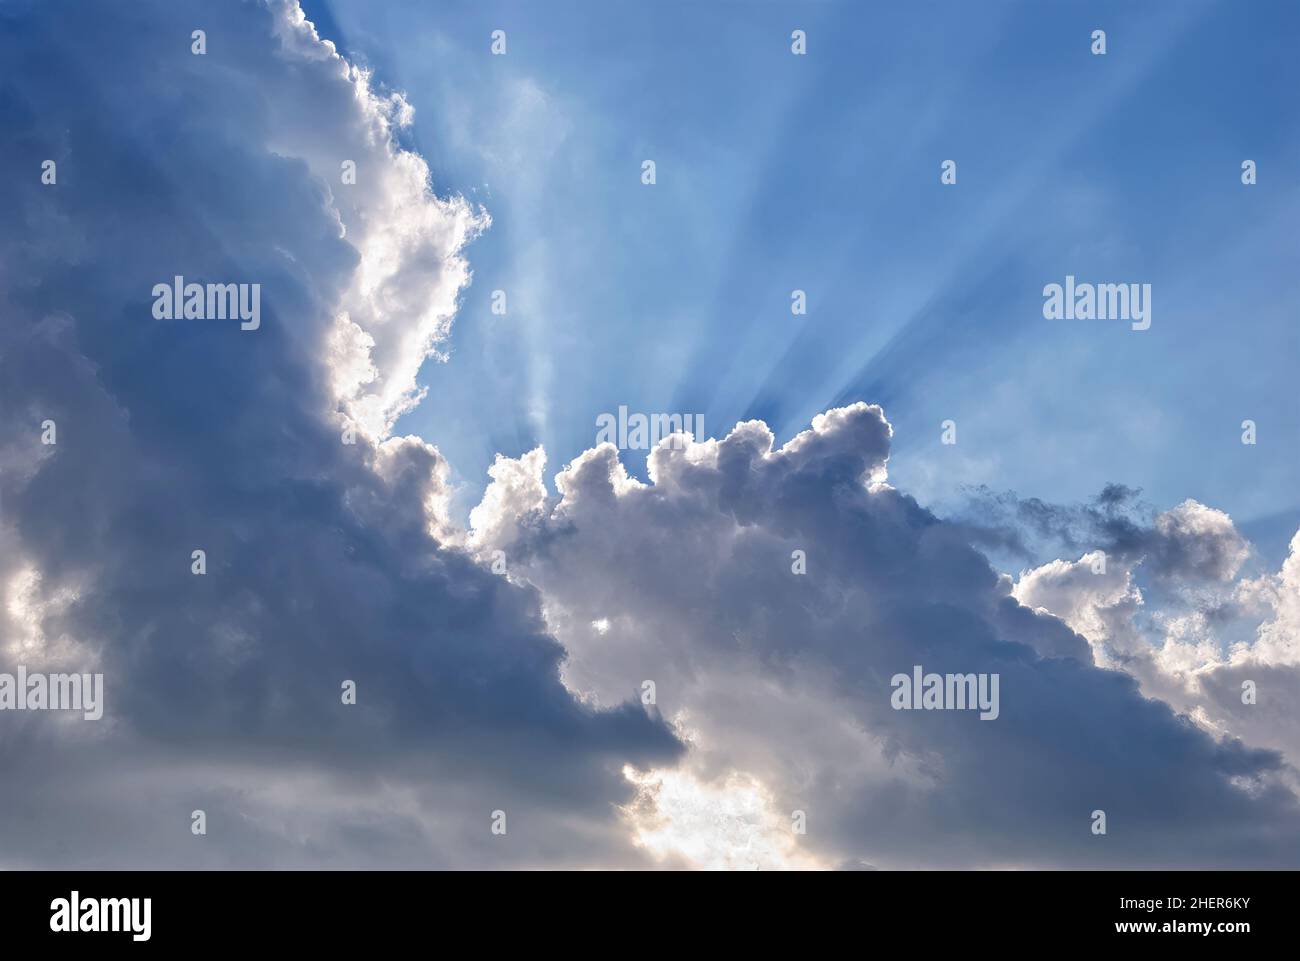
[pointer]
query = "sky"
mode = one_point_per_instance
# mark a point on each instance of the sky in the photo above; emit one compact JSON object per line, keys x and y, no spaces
{"x":367,"y":588}
{"x":821,"y":173}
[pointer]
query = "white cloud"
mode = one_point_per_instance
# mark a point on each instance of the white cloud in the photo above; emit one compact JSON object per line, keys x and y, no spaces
{"x":1278,"y":642}
{"x":1096,"y":601}
{"x":780,"y":681}
{"x":410,"y":270}
{"x":730,"y":825}
{"x":1181,"y":651}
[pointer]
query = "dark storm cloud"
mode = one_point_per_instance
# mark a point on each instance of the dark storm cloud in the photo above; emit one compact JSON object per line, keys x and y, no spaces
{"x":176,"y":435}
{"x":777,"y":670}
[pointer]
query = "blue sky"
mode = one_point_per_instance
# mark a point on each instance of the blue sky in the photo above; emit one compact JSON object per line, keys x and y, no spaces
{"x":778,"y":172}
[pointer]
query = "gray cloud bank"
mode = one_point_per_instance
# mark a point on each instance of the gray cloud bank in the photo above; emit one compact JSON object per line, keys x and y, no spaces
{"x":688,"y":581}
{"x":223,"y":690}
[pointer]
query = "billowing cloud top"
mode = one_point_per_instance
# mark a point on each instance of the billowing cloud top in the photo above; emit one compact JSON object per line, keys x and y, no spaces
{"x":694,"y":581}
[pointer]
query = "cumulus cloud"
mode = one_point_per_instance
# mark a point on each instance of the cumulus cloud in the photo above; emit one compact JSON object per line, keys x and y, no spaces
{"x":326,"y":561}
{"x":1278,"y":642}
{"x":1214,"y":633}
{"x":1193,"y":542}
{"x":1189,"y":545}
{"x":402,"y":293}
{"x":1095,"y":599}
{"x":784,"y":678}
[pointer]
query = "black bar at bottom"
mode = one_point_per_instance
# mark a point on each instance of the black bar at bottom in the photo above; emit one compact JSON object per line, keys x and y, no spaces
{"x":1222,"y":910}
